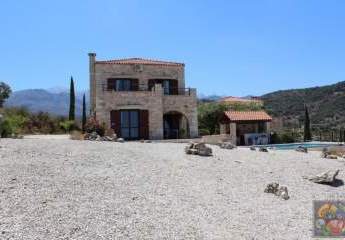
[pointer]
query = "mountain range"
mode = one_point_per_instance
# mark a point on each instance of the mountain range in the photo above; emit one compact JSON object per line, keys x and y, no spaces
{"x":326,"y":104}
{"x":54,"y":101}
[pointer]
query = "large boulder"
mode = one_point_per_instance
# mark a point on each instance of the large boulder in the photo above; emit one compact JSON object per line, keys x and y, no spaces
{"x":198,"y":149}
{"x":328,"y":177}
{"x":327,"y":154}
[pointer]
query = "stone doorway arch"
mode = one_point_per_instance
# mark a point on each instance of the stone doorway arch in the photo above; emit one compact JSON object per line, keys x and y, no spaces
{"x":175,"y":125}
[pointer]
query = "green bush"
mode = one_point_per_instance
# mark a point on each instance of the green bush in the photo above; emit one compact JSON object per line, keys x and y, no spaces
{"x":12,"y":124}
{"x":68,"y":125}
{"x":203,"y":132}
{"x":5,"y":129}
{"x":277,"y":138}
{"x":209,"y":115}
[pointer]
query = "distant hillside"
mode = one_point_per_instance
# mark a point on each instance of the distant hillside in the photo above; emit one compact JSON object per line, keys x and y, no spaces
{"x":326,"y":105}
{"x":36,"y":100}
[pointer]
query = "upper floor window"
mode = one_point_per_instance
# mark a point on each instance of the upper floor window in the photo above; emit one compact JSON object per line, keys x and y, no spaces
{"x":122,"y":84}
{"x":170,"y":86}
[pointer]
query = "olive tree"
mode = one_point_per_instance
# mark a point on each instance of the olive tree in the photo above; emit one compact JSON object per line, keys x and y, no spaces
{"x":5,"y":92}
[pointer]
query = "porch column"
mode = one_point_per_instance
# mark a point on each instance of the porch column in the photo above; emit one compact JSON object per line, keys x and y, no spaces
{"x":222,"y":128}
{"x":267,"y":127}
{"x":256,"y":127}
{"x":233,"y":136}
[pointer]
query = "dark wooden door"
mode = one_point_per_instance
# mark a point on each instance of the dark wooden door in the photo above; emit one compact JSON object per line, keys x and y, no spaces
{"x":144,"y":124}
{"x":115,"y":122}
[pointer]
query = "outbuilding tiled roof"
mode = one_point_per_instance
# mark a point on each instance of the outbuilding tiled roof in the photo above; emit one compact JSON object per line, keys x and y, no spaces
{"x":247,"y":116}
{"x":141,"y":61}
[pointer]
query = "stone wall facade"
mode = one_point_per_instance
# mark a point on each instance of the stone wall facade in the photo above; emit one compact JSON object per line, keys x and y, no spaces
{"x":157,"y":104}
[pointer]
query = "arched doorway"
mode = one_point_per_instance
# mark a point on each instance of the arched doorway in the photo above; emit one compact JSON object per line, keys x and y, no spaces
{"x":175,"y":125}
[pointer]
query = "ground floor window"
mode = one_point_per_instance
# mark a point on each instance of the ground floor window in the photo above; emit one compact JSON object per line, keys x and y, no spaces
{"x":129,"y":124}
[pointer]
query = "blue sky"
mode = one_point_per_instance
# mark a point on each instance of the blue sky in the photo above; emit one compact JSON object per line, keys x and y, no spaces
{"x":230,"y":47}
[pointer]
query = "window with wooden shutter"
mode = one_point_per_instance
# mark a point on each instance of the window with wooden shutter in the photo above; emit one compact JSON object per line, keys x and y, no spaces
{"x":144,"y":124}
{"x":111,"y":84}
{"x":173,"y":87}
{"x":151,"y":83}
{"x":134,"y":85}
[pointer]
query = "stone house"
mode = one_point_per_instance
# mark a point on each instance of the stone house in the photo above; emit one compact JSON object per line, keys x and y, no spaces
{"x":246,"y":127}
{"x":142,"y":98}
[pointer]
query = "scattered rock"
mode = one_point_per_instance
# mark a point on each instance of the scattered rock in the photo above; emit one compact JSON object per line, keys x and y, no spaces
{"x":283,"y":193}
{"x":198,"y":149}
{"x":263,"y":149}
{"x":327,"y":154}
{"x":332,"y":156}
{"x":328,"y":177}
{"x":95,"y":137}
{"x":302,"y":149}
{"x":253,"y":148}
{"x":272,"y":188}
{"x":121,"y":140}
{"x":227,"y":145}
{"x":280,"y":192}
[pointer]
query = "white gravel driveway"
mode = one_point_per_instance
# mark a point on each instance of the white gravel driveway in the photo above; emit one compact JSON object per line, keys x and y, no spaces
{"x":64,"y":189}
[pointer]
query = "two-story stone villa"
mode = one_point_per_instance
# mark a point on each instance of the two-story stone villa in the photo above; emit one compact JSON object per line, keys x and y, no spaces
{"x":143,"y":99}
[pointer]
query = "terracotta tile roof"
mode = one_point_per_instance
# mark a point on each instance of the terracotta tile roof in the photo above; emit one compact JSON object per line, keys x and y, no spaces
{"x":248,"y":116}
{"x":141,"y":61}
{"x":240,"y":100}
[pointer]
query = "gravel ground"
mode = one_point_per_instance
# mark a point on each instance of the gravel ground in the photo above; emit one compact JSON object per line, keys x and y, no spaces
{"x":64,"y":189}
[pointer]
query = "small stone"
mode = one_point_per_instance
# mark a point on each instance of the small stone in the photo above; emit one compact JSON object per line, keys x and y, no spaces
{"x":198,"y":149}
{"x":263,"y":149}
{"x":253,"y":148}
{"x":227,"y":145}
{"x":120,"y":140}
{"x":280,"y":192}
{"x":302,"y":149}
{"x":283,"y":193}
{"x":272,"y":188}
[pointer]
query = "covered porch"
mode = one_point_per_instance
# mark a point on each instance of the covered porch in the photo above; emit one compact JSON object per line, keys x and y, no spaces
{"x":246,"y":128}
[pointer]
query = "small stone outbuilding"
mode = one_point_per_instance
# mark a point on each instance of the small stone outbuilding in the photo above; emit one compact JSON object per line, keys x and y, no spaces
{"x":246,"y":127}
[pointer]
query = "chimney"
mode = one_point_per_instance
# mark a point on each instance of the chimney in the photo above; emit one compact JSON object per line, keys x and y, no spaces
{"x":92,"y":61}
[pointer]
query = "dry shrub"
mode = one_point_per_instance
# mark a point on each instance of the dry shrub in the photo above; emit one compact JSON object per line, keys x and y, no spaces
{"x":77,"y":135}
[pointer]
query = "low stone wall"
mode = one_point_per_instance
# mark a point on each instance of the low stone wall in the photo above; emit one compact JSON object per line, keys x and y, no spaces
{"x":215,"y":139}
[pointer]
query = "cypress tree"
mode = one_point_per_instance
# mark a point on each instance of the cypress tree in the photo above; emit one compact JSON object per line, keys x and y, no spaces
{"x":84,"y":114}
{"x":307,"y":132}
{"x":72,"y":102}
{"x":340,"y":135}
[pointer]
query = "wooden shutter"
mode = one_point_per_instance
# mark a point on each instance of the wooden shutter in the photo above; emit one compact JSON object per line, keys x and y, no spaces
{"x":115,"y":122}
{"x":151,"y":84}
{"x":144,"y":124}
{"x":111,"y":84}
{"x":134,"y":85}
{"x":174,"y":87}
